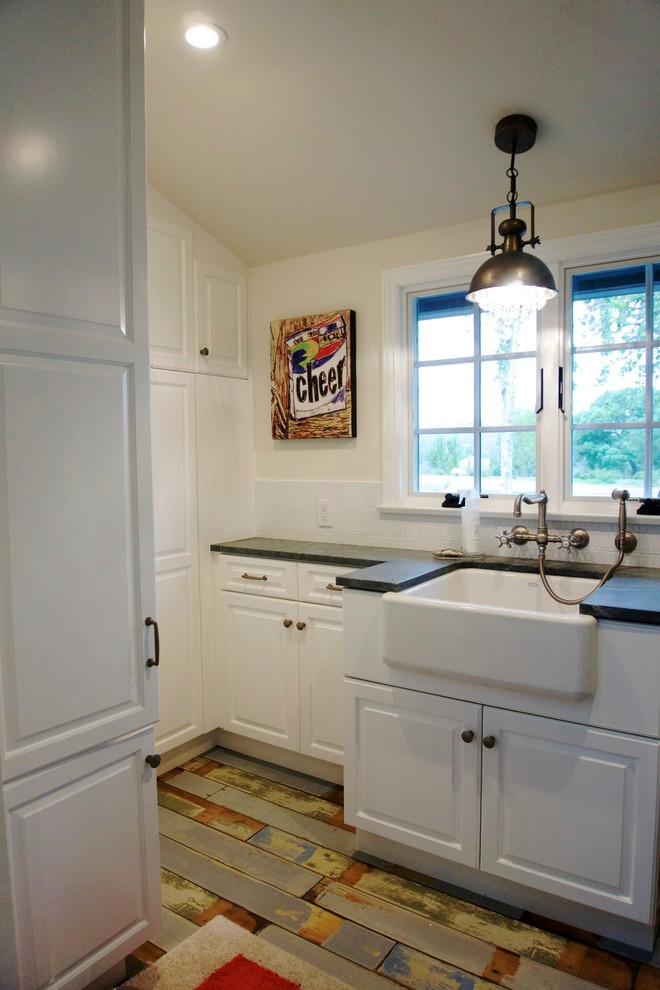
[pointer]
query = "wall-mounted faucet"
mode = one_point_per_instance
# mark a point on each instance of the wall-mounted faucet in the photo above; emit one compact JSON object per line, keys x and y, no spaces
{"x":577,"y":539}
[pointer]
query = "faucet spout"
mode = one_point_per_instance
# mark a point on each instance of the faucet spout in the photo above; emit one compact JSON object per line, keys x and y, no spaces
{"x":540,"y":499}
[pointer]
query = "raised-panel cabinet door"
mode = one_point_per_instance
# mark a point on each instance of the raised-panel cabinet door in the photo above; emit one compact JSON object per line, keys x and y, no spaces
{"x":171,"y":298}
{"x":258,"y":640}
{"x":76,"y":547}
{"x":415,"y":775}
{"x":177,"y":556}
{"x":563,"y":811}
{"x":83,"y":866}
{"x":221,"y":321}
{"x":321,"y":658}
{"x":73,"y":640}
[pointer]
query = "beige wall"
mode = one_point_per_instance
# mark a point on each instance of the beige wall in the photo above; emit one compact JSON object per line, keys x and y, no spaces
{"x":351,"y":279}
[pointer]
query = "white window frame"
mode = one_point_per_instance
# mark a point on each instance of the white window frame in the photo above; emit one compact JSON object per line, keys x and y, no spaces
{"x":398,"y":284}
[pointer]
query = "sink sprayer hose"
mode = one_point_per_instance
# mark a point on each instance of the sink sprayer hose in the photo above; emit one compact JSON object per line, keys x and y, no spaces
{"x":622,"y":495}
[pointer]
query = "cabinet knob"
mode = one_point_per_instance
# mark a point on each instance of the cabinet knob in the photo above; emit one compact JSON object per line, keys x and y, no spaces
{"x":204,"y":352}
{"x":467,"y":736}
{"x":300,"y":626}
{"x":287,"y":623}
{"x":153,"y":760}
{"x":489,"y":741}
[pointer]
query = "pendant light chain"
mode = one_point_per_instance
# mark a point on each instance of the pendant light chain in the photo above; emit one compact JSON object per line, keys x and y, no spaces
{"x":512,"y":173}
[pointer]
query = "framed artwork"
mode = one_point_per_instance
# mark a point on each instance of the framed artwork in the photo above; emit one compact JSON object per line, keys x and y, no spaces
{"x":312,"y":376}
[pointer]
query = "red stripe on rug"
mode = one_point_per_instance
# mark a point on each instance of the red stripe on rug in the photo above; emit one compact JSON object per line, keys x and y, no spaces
{"x":245,"y":974}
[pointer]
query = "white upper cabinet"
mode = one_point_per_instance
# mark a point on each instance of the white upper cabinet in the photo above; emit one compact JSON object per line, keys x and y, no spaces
{"x":170,"y":282}
{"x":197,"y":311}
{"x":221,"y":321}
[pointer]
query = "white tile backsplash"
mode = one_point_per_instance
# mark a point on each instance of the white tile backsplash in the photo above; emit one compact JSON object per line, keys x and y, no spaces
{"x":287,"y":510}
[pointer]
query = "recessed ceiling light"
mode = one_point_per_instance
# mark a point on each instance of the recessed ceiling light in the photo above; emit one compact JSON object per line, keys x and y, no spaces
{"x":205,"y":35}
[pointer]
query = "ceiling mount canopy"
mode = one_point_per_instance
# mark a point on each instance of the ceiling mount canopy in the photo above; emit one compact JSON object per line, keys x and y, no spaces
{"x":512,"y":282}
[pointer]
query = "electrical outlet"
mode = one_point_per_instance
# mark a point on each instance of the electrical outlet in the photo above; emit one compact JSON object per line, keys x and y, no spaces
{"x":324,"y":512}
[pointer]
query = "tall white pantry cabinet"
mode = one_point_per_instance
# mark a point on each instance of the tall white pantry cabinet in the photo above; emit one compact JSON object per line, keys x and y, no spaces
{"x":78,"y":696}
{"x":202,"y":458}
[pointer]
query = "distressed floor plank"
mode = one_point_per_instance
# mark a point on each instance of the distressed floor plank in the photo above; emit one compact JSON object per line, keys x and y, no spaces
{"x":241,"y":832}
{"x":280,"y":794}
{"x":429,"y":937}
{"x":238,"y":855}
{"x":298,"y":824}
{"x":343,"y":969}
{"x":414,"y":970}
{"x":505,"y":933}
{"x":255,"y":896}
{"x":324,"y":861}
{"x":208,"y":812}
{"x":648,"y":979}
{"x":173,"y":931}
{"x":186,"y":899}
{"x":301,"y":781}
{"x":193,"y":783}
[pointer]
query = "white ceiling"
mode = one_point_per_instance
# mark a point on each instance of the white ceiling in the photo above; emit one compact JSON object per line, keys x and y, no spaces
{"x":324,"y":123}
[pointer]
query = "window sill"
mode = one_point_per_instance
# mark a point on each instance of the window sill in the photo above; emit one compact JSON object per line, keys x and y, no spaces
{"x":504,"y":512}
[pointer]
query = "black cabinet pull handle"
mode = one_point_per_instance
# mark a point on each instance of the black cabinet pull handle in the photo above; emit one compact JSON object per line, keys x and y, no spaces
{"x":467,"y":735}
{"x":489,"y":742}
{"x":153,"y":760}
{"x":155,"y":662}
{"x":204,"y":352}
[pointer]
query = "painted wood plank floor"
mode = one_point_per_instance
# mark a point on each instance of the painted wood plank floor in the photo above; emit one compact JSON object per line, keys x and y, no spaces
{"x":268,"y":849}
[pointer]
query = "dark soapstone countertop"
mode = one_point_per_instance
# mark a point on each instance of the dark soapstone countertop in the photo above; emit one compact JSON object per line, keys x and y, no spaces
{"x":631,"y":595}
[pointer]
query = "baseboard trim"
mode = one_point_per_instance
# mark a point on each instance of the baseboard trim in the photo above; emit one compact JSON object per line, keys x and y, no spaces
{"x":186,"y":751}
{"x":297,"y":762}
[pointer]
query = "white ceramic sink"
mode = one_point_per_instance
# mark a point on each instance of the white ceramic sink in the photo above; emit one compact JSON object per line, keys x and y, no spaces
{"x":494,"y":627}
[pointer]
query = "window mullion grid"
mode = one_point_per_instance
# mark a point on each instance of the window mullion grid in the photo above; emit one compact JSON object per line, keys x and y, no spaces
{"x":414,"y":453}
{"x":648,"y":446}
{"x":476,"y":441}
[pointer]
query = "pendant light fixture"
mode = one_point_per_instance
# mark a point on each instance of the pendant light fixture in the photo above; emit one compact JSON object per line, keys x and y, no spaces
{"x":512,"y":282}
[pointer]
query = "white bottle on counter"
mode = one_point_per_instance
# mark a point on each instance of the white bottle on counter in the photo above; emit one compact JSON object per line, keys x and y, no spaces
{"x":470,"y":523}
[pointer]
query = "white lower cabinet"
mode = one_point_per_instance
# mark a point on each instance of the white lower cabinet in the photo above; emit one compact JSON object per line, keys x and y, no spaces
{"x":564,"y":810}
{"x":414,"y":779}
{"x":82,"y":864}
{"x":548,"y":804}
{"x":281,"y":658}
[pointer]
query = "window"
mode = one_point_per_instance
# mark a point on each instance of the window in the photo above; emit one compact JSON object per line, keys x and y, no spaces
{"x":474,"y":398}
{"x":615,"y":396}
{"x":569,"y":402}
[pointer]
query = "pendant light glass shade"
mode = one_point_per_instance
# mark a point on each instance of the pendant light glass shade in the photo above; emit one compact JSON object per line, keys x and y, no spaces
{"x":512,"y":283}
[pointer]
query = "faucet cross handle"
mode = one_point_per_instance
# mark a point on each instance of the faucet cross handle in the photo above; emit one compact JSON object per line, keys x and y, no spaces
{"x":504,"y":539}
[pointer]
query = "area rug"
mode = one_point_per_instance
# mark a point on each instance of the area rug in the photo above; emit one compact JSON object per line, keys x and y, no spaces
{"x":223,"y":956}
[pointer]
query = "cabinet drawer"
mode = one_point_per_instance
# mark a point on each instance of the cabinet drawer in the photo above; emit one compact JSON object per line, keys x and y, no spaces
{"x":262,"y":576}
{"x":316,"y":583}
